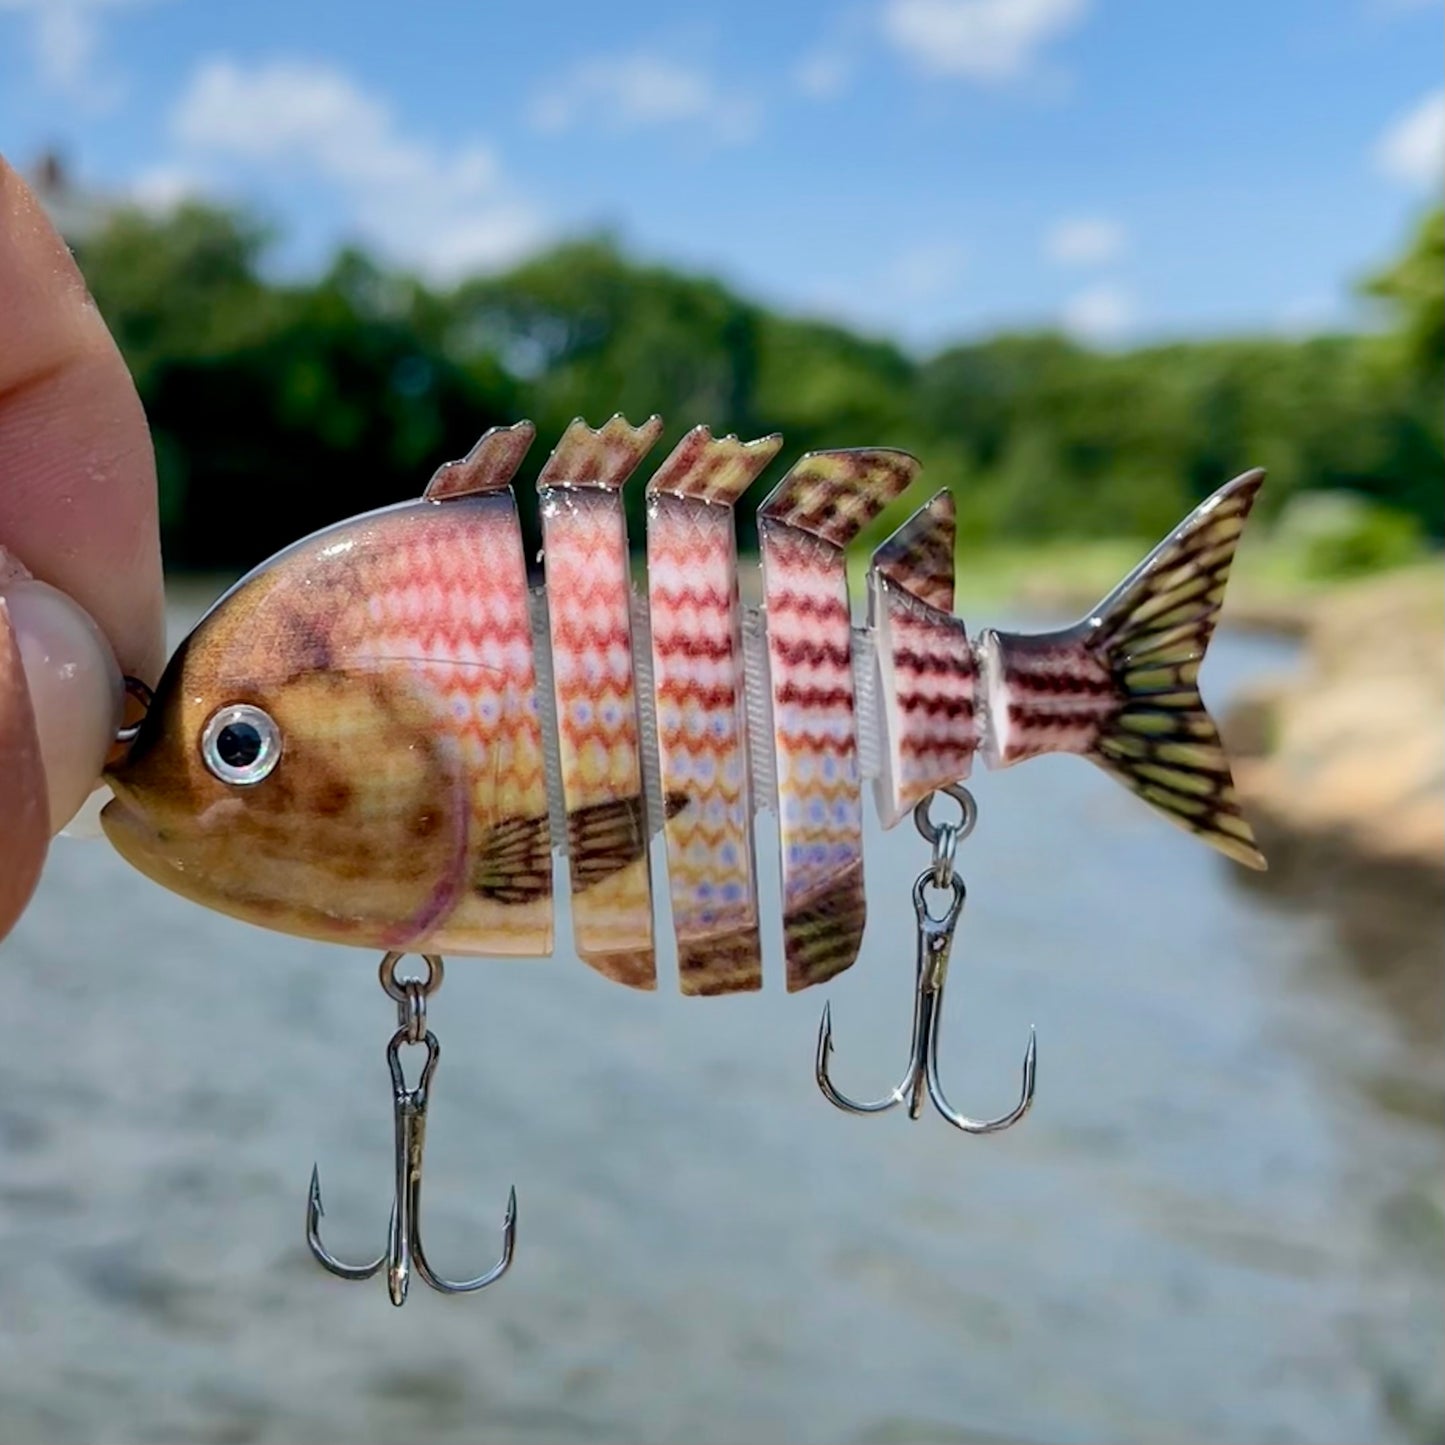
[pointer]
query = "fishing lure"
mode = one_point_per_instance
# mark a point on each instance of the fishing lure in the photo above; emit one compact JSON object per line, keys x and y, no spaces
{"x":379,"y":736}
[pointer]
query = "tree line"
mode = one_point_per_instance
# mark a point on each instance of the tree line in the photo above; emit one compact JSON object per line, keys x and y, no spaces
{"x":278,"y":407}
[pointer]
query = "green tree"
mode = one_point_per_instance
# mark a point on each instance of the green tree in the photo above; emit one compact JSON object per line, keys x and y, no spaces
{"x":1414,"y":288}
{"x":278,"y":407}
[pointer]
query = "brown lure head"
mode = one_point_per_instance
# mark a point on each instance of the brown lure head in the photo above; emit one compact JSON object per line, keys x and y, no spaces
{"x":282,"y":775}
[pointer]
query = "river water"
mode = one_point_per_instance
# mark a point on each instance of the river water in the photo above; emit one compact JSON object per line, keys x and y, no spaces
{"x":1221,"y":1222}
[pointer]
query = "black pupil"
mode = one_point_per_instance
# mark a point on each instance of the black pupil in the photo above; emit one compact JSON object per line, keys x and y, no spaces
{"x":238,"y":744}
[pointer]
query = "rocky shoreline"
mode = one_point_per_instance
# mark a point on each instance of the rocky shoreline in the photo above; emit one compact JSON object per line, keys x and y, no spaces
{"x":1342,"y":770}
{"x":1348,"y":758}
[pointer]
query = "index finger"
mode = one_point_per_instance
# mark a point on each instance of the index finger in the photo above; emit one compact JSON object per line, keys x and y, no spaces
{"x":77,"y":473}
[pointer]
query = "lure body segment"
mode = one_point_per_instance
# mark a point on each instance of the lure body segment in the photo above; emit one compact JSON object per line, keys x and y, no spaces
{"x":700,"y":691}
{"x":816,"y":510}
{"x":376,"y":738}
{"x":394,"y":654}
{"x":927,"y":671}
{"x":589,"y":595}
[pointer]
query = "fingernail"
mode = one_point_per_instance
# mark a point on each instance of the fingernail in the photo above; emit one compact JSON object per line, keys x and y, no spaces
{"x":76,"y":690}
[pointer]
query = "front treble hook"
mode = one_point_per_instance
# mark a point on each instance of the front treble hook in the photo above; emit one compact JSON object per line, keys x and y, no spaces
{"x":409,"y":1105}
{"x":935,"y":943}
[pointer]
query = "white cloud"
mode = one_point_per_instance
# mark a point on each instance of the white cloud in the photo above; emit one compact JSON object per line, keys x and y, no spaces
{"x":1099,"y":313}
{"x":65,"y":36}
{"x":849,"y":40}
{"x":924,"y":272}
{"x":443,"y":210}
{"x":985,"y":40}
{"x":824,"y":74}
{"x":1084,"y":241}
{"x":163,"y":187}
{"x":915,"y":295}
{"x":1412,"y":149}
{"x":1309,"y":315}
{"x":632,"y":92}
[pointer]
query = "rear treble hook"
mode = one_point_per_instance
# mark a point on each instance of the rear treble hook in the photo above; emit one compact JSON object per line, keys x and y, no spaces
{"x":935,"y":943}
{"x":409,"y":1105}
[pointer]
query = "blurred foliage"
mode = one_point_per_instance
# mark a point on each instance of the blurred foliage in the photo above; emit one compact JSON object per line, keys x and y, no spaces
{"x":1336,"y":535}
{"x":1415,"y":286}
{"x":279,"y":407}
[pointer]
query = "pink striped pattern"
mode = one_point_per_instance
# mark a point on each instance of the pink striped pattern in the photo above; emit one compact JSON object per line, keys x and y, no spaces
{"x":445,"y":604}
{"x":589,"y":593}
{"x":926,"y":665}
{"x":701,"y":712}
{"x":817,"y":508}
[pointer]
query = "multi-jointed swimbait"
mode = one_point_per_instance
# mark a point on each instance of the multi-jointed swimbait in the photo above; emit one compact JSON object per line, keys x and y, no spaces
{"x":379,"y":736}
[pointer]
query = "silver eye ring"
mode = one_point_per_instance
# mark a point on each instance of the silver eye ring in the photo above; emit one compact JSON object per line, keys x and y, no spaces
{"x":241,"y":744}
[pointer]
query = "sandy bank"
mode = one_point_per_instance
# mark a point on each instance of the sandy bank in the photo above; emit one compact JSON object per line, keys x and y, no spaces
{"x":1348,"y":758}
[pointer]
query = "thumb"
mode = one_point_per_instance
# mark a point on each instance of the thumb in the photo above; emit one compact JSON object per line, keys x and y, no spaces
{"x":24,"y":812}
{"x":60,"y":702}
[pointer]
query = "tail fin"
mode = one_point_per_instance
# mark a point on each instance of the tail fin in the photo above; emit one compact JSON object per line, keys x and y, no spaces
{"x":1121,"y":687}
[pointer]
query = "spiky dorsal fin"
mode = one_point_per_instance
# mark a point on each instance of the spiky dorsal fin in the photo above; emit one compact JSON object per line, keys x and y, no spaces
{"x":834,"y":495}
{"x":918,"y":557}
{"x":709,"y":469}
{"x":488,"y":467}
{"x":602,"y":457}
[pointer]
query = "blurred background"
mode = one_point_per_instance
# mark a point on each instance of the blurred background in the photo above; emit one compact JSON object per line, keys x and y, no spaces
{"x":1088,"y":259}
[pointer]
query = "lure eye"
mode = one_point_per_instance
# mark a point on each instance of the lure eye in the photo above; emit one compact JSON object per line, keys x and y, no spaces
{"x":241,"y":744}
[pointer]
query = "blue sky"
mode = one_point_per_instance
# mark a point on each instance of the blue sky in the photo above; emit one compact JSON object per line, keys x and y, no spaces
{"x":1128,"y":169}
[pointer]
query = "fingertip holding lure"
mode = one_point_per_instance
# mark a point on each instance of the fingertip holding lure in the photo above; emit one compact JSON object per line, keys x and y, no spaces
{"x":380,"y":736}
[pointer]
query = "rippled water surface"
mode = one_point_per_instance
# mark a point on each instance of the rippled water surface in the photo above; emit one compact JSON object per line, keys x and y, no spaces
{"x":1221,"y":1222}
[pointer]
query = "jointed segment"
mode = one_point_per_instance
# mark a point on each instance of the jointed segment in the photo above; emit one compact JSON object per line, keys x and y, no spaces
{"x":927,"y":670}
{"x":817,"y":509}
{"x":444,"y":593}
{"x":698,"y":682}
{"x":589,"y":591}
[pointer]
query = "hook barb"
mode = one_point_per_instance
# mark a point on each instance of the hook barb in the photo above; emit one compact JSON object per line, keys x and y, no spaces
{"x":315,"y":1212}
{"x":836,"y":1097}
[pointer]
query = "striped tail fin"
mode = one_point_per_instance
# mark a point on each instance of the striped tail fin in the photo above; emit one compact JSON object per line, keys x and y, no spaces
{"x":1121,"y":687}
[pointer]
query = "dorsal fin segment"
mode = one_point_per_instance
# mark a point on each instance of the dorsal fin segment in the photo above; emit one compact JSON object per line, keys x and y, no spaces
{"x":717,"y":470}
{"x":834,"y":495}
{"x":918,"y":557}
{"x":488,"y":467}
{"x":601,"y":457}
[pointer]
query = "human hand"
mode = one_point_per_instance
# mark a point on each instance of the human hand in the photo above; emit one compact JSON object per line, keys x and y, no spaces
{"x":78,"y":541}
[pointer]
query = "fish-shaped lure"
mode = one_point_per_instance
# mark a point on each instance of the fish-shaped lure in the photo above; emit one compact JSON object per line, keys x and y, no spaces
{"x":379,"y":736}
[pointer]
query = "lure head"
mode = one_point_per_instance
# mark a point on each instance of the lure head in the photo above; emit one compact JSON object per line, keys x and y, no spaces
{"x":288,"y":773}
